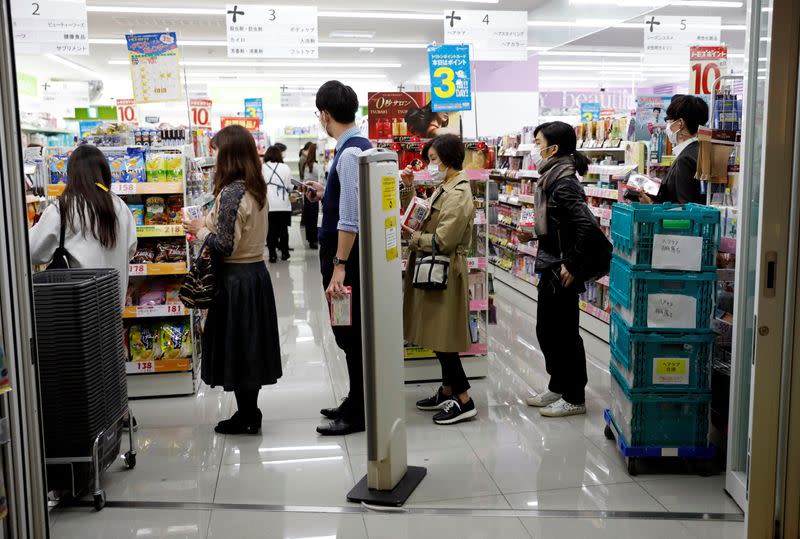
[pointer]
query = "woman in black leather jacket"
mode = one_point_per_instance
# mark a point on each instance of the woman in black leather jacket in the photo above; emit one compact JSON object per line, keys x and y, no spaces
{"x":565,"y":228}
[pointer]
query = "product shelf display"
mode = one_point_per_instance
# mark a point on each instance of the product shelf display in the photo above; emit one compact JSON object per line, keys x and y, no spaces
{"x":420,"y":362}
{"x":156,"y":181}
{"x":663,"y":292}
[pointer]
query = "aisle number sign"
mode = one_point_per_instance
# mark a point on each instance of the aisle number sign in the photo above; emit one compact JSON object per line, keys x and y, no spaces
{"x":590,"y":112}
{"x":155,"y":67}
{"x":450,"y":77}
{"x":667,"y":39}
{"x":126,"y":111}
{"x":50,"y":27}
{"x":494,"y":35}
{"x":254,"y":108}
{"x":706,"y":65}
{"x":270,"y":31}
{"x":201,"y":112}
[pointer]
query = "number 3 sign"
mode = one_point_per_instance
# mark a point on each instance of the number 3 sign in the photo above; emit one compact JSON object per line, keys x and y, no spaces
{"x":707,"y":64}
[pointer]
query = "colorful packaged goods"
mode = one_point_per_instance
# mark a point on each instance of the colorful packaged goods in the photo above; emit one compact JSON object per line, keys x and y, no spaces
{"x":58,"y":169}
{"x":137,"y":210}
{"x":155,"y":211}
{"x":143,"y":343}
{"x":175,"y":209}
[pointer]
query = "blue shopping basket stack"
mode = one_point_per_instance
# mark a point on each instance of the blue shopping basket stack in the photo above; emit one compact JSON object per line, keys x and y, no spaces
{"x":663,"y":290}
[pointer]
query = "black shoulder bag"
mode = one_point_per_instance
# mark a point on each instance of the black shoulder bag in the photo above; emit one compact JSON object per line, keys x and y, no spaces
{"x":61,"y":255}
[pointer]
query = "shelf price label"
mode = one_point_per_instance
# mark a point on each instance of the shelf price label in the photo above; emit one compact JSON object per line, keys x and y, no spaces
{"x":140,"y":367}
{"x":137,"y":269}
{"x":173,"y":308}
{"x":201,"y":112}
{"x":451,"y":86}
{"x":124,"y":188}
{"x":706,"y":65}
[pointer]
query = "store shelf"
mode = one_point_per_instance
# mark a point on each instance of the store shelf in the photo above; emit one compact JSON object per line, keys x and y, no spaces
{"x":509,"y":200}
{"x":526,"y":199}
{"x":158,"y":366}
{"x":596,"y":150}
{"x":46,"y":130}
{"x":177,"y":268}
{"x":160,"y":231}
{"x":429,"y":369}
{"x":479,"y":305}
{"x":610,"y":194}
{"x":154,"y":311}
{"x":525,"y":249}
{"x":147,"y":188}
{"x":601,"y":213}
{"x":418,"y":352}
{"x":590,"y":309}
{"x":612,"y":172}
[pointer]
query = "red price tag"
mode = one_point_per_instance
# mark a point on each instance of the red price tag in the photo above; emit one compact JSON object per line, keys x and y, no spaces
{"x":124,"y":188}
{"x":707,"y":64}
{"x":146,"y":366}
{"x":201,"y":112}
{"x":137,"y":269}
{"x":126,"y":111}
{"x":174,"y":309}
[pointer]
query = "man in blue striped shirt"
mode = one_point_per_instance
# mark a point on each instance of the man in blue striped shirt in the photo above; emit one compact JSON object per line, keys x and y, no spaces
{"x":338,"y":253}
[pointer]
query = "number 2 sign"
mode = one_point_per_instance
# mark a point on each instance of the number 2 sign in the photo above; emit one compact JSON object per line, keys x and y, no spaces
{"x":706,"y":65}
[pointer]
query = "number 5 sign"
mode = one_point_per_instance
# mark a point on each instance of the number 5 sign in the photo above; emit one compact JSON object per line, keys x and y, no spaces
{"x":201,"y":112}
{"x":706,"y":65}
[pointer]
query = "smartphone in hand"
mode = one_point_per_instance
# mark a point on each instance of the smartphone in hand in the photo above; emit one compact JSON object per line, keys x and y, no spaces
{"x":304,"y":187}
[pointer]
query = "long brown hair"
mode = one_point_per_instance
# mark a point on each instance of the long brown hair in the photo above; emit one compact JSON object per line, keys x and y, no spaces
{"x":311,"y":156}
{"x":83,"y":198}
{"x":237,"y":159}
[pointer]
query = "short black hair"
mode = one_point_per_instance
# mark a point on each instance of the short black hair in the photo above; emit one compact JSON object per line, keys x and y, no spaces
{"x":563,"y":135}
{"x":692,"y":110}
{"x":338,"y":100}
{"x":273,"y":154}
{"x":418,"y":119}
{"x":281,"y":146}
{"x":449,"y":148}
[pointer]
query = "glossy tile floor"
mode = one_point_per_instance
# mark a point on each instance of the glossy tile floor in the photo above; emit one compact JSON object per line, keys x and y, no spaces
{"x":501,"y":475}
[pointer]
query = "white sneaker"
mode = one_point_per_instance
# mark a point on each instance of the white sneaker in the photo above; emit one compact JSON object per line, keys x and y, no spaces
{"x":543,"y":399}
{"x":562,"y":408}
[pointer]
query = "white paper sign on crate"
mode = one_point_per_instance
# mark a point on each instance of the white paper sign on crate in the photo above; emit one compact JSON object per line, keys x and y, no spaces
{"x":671,"y":311}
{"x":494,"y":35}
{"x":682,"y":253}
{"x":271,"y":31}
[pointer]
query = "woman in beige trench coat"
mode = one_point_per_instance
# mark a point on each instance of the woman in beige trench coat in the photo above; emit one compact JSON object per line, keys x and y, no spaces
{"x":439,"y":319}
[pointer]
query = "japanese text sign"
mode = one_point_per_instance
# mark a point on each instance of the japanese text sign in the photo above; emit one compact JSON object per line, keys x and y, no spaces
{"x":450,"y":78}
{"x":681,"y":253}
{"x":706,"y":65}
{"x":126,"y":111}
{"x":251,"y":124}
{"x":667,"y":39}
{"x":254,"y":108}
{"x":590,"y":112}
{"x":269,"y":31}
{"x":50,"y":26}
{"x":201,"y":112}
{"x":494,"y":35}
{"x":155,"y":67}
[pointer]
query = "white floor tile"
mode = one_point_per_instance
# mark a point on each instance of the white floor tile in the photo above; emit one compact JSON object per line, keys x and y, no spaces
{"x":110,"y":523}
{"x":263,"y":525}
{"x":546,"y":528}
{"x":420,"y":436}
{"x":692,"y":494}
{"x":480,"y":502}
{"x":293,"y":481}
{"x":620,"y":497}
{"x":195,"y":445}
{"x":452,"y":473}
{"x":717,"y":530}
{"x":443,"y":527}
{"x":161,"y":482}
{"x":295,"y":402}
{"x":282,"y":440}
{"x":207,"y":407}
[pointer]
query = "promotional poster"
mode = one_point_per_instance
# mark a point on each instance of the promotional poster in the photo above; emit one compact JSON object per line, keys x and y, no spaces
{"x":408,"y":114}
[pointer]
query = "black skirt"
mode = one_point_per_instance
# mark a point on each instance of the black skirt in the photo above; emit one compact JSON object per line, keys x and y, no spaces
{"x":241,"y":344}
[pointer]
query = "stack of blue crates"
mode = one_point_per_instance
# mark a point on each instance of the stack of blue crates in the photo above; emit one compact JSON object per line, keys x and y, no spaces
{"x":663,"y":290}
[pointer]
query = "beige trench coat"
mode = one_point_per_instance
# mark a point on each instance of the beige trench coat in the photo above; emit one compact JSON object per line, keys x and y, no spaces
{"x":439,"y":319}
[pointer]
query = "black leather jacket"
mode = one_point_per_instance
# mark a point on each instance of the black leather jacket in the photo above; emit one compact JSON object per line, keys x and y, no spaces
{"x":569,"y":224}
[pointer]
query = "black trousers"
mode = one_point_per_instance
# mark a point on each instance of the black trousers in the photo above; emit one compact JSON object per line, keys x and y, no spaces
{"x":311,"y":218}
{"x":348,"y":338}
{"x":453,"y":374}
{"x":278,"y":233}
{"x":557,"y":328}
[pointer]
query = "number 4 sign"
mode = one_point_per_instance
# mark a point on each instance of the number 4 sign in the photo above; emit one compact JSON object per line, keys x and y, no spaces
{"x":494,"y":35}
{"x":706,"y":65}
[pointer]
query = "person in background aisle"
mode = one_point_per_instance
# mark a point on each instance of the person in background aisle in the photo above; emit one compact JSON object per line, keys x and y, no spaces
{"x":564,"y":226}
{"x":338,"y":255}
{"x":282,"y":148}
{"x":99,"y":230}
{"x":311,"y":171}
{"x":685,"y":114}
{"x":439,"y":319}
{"x":279,"y":184}
{"x":241,"y":346}
{"x":300,"y":163}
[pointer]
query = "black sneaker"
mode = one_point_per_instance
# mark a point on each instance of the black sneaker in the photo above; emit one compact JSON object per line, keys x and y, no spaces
{"x":433,"y":403}
{"x":455,"y":412}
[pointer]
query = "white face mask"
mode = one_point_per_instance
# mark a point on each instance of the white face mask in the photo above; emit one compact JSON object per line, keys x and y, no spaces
{"x":435,"y":173}
{"x":536,"y":155}
{"x":672,"y":135}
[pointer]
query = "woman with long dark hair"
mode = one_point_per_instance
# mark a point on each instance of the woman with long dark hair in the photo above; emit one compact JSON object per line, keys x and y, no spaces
{"x":241,"y":347}
{"x":99,"y":230}
{"x":310,"y":170}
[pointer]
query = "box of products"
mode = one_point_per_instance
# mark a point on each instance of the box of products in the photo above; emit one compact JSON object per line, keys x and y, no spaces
{"x":415,"y":213}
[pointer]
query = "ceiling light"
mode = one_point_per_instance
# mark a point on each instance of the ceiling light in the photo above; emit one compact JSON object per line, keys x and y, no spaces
{"x":534,"y":48}
{"x":578,"y":63}
{"x":322,"y":44}
{"x":156,"y":10}
{"x":657,"y":3}
{"x":234,"y":64}
{"x":608,"y":54}
{"x":250,"y":75}
{"x":366,"y":50}
{"x":582,"y":78}
{"x":72,"y":65}
{"x":352,"y":34}
{"x":381,"y":15}
{"x":475,"y":1}
{"x":582,"y":23}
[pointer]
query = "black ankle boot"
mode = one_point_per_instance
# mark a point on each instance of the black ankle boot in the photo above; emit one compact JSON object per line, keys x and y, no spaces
{"x":240,"y":423}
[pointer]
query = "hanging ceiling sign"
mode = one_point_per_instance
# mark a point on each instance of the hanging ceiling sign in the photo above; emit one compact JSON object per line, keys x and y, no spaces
{"x":494,"y":35}
{"x":297,"y":97}
{"x":155,"y":67}
{"x":667,"y":39}
{"x":451,"y":88}
{"x":259,"y":31}
{"x":251,"y":124}
{"x":50,"y":27}
{"x":706,"y":65}
{"x":254,"y":108}
{"x":200,"y":110}
{"x":126,"y":111}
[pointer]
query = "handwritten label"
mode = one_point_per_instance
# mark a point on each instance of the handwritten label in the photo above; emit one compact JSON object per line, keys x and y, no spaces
{"x":677,"y":252}
{"x":390,"y":230}
{"x":670,"y":371}
{"x":389,"y":192}
{"x":671,"y":311}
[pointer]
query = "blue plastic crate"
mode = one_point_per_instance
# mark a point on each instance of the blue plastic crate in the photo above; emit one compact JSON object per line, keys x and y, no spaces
{"x":634,"y":292}
{"x":634,"y":225}
{"x":660,"y":419}
{"x":661,"y":362}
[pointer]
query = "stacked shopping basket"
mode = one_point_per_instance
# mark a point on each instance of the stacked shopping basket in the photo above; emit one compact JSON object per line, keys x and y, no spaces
{"x":82,"y":373}
{"x":663,"y":289}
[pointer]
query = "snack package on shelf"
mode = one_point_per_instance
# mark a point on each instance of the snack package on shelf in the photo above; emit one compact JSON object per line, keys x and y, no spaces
{"x":155,"y":211}
{"x":144,"y":343}
{"x":175,"y":209}
{"x":415,"y":213}
{"x":137,"y":210}
{"x":175,"y":340}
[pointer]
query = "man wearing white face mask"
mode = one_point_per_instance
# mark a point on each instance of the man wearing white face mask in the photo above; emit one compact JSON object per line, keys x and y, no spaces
{"x":686,"y":113}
